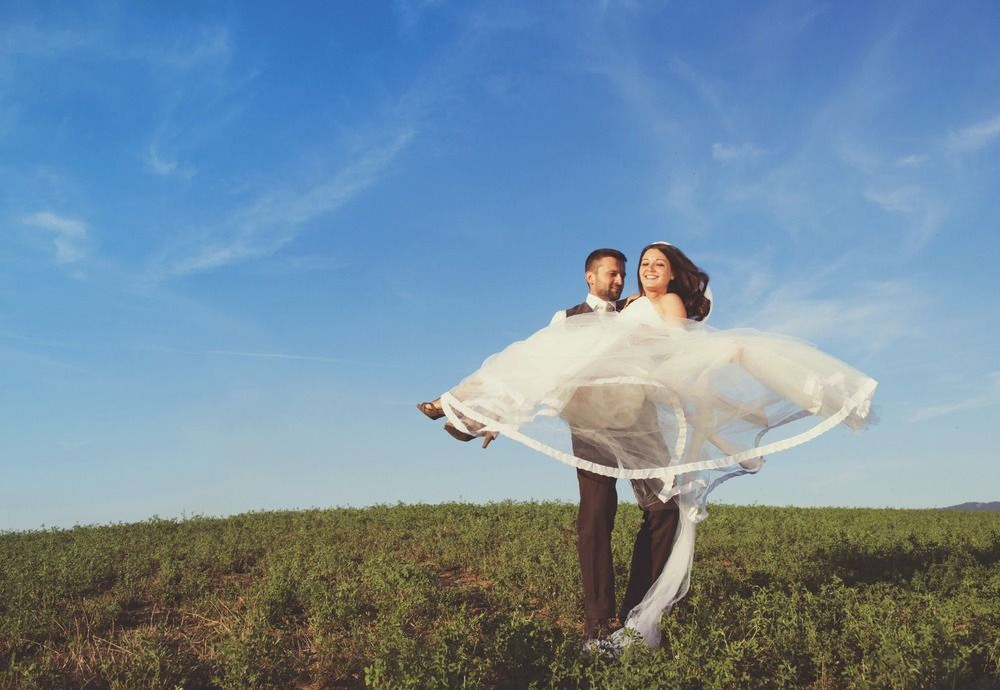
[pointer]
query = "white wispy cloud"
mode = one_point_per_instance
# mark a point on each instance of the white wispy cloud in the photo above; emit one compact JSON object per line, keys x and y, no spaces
{"x":200,"y":93}
{"x":209,"y":44}
{"x":275,"y":218}
{"x":278,"y":355}
{"x":869,"y":318}
{"x":68,"y":234}
{"x":973,"y":137}
{"x":302,"y":264}
{"x":614,"y":51}
{"x":8,"y":116}
{"x":781,"y":21}
{"x":742,"y":280}
{"x":30,"y":362}
{"x":158,"y":166}
{"x":787,"y":189}
{"x":913,"y":160}
{"x":248,"y":354}
{"x":635,"y":84}
{"x":725,"y":153}
{"x":410,"y":12}
{"x":190,"y":70}
{"x":45,"y":39}
{"x":899,"y":200}
{"x":277,"y":214}
{"x":862,"y":157}
{"x":921,"y":210}
{"x":682,"y":198}
{"x":31,"y":39}
{"x":989,"y":394}
{"x":709,"y":90}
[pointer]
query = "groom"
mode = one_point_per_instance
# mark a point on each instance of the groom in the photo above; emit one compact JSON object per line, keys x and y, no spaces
{"x":605,"y":274}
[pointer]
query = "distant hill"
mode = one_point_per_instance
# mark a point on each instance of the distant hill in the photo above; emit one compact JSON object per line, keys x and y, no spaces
{"x":974,"y":506}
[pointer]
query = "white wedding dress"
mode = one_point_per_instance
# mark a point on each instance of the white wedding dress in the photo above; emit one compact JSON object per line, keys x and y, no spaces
{"x":680,"y":405}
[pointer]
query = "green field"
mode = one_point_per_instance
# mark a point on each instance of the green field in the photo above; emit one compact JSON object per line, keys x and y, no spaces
{"x":469,"y":596}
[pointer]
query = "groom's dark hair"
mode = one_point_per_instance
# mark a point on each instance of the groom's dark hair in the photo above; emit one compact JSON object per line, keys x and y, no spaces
{"x":604,"y":253}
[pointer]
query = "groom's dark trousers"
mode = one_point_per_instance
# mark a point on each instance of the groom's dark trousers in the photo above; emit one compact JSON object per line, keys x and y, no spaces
{"x":595,"y":521}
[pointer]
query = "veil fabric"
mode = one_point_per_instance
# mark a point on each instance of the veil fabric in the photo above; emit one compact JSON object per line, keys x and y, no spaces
{"x":676,"y":407}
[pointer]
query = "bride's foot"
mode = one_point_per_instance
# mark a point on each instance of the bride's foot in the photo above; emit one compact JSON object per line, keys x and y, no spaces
{"x":434,"y":411}
{"x":452,"y":430}
{"x":455,"y":433}
{"x":431,"y":409}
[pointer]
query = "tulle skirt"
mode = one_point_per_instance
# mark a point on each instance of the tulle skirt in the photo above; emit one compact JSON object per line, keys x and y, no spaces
{"x":676,"y":408}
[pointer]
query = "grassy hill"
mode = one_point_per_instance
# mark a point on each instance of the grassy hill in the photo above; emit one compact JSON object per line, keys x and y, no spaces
{"x":467,"y":596}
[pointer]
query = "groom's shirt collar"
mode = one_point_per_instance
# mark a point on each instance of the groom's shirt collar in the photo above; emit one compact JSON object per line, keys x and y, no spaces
{"x":598,"y":304}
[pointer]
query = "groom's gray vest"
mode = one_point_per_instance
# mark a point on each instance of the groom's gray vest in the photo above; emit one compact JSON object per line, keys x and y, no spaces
{"x":645,"y":490}
{"x":581,"y":447}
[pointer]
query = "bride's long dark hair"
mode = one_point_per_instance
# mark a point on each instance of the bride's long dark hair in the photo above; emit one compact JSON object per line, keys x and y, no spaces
{"x":689,"y":282}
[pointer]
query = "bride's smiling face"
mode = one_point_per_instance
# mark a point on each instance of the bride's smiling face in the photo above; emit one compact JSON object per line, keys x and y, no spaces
{"x":655,"y":273}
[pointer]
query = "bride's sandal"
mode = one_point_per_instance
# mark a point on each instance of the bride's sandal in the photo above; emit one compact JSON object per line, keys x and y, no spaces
{"x":430,"y":410}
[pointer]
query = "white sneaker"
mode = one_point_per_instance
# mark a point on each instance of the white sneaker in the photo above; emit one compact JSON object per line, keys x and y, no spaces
{"x":603,"y":648}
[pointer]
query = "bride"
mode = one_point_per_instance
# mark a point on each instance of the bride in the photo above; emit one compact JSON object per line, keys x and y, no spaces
{"x":674,"y":402}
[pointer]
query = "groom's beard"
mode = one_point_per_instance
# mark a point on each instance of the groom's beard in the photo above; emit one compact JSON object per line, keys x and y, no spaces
{"x":610,"y":294}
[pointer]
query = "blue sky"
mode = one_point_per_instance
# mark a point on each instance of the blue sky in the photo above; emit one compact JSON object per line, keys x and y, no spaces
{"x":241,"y":240}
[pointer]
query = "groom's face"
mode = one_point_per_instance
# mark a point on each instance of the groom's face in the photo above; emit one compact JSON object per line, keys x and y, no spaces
{"x":606,"y":278}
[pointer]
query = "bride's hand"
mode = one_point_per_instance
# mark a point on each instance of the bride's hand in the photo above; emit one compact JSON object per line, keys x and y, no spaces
{"x":630,"y":299}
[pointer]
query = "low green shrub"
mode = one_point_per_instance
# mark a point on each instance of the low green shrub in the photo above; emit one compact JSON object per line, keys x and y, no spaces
{"x":466,"y":596}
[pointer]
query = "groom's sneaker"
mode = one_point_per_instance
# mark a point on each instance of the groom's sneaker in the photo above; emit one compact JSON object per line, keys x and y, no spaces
{"x":597,"y":632}
{"x":605,"y":648}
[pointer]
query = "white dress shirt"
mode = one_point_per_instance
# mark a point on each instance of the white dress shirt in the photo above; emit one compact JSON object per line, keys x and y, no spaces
{"x":595,"y":303}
